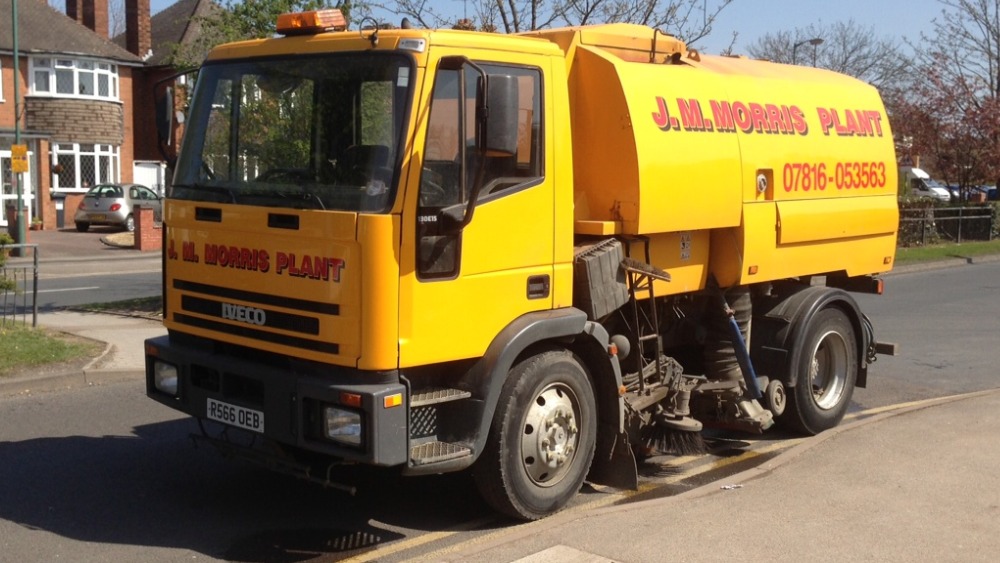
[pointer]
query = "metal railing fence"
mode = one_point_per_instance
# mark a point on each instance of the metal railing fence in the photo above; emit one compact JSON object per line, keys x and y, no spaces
{"x":18,"y":301}
{"x":929,"y":225}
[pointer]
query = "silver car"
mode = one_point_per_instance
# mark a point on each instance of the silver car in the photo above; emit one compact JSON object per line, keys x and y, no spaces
{"x":113,"y":204}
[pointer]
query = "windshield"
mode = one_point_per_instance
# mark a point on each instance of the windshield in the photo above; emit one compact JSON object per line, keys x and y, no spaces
{"x":302,"y":132}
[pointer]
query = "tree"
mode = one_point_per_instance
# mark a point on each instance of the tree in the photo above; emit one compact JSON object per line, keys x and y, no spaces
{"x":951,"y":114}
{"x":846,"y":47}
{"x":691,"y":20}
{"x":244,"y":19}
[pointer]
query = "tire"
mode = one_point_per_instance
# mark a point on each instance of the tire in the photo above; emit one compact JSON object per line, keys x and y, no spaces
{"x":541,"y":442}
{"x":82,"y":227}
{"x":130,"y":223}
{"x":827,"y":370}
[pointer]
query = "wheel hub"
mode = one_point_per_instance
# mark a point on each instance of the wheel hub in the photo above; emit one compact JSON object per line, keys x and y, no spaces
{"x":550,"y":436}
{"x":828,"y":370}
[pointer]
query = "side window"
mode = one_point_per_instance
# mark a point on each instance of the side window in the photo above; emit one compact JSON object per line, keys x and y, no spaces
{"x":446,"y":144}
{"x":451,"y":164}
{"x":502,"y":173}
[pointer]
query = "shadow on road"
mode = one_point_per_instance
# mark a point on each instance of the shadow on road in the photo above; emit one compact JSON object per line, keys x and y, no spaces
{"x":156,"y":489}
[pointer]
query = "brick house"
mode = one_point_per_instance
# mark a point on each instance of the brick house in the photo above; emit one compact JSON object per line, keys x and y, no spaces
{"x":76,"y":89}
{"x":176,"y":26}
{"x":87,"y":101}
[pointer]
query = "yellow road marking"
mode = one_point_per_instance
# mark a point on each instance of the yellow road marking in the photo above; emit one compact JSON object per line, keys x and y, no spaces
{"x":417,"y":541}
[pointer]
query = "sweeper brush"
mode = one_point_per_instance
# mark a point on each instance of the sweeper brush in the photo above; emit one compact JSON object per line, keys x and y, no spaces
{"x":670,"y":435}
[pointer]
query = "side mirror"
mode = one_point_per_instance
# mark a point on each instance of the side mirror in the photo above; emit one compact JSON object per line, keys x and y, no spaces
{"x":500,"y":135}
{"x":163,"y":104}
{"x":164,"y":115}
{"x":497,"y":106}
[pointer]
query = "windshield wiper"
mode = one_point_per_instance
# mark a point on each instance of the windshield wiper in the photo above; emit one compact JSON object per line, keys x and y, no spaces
{"x":195,"y":188}
{"x":302,"y":193}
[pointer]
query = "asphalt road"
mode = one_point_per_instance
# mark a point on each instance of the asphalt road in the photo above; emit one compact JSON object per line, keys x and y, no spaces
{"x":80,"y":289}
{"x":947,"y":324}
{"x":77,"y":268}
{"x":104,"y":474}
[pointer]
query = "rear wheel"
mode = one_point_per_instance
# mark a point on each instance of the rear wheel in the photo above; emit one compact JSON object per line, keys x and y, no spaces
{"x":827,"y":371}
{"x":130,"y":223}
{"x":541,"y":442}
{"x":82,"y":227}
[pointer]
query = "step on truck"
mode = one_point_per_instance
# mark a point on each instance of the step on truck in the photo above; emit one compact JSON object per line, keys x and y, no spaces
{"x":538,"y":257}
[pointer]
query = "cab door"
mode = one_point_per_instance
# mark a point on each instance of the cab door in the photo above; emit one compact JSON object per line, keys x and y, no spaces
{"x":460,"y":288}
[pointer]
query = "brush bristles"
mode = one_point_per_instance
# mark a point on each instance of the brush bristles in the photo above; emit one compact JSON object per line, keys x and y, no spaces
{"x":670,"y":441}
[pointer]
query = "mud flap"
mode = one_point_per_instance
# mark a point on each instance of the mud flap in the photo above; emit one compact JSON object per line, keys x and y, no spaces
{"x":617,"y":468}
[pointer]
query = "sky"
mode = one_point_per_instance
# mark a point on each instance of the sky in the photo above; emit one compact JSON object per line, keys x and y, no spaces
{"x":751,"y":19}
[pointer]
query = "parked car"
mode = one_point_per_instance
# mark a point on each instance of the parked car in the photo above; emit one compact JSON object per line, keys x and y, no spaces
{"x":114,"y":204}
{"x":975,"y":194}
{"x":918,"y":183}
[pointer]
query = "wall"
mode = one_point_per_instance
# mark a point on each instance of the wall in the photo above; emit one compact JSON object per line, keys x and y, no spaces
{"x":76,"y":121}
{"x":7,"y":106}
{"x":125,"y":84}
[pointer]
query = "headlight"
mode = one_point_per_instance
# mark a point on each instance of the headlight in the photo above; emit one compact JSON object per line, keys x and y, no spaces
{"x":342,"y":426}
{"x":165,"y":377}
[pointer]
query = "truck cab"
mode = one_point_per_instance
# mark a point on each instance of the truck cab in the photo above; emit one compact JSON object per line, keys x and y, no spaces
{"x":322,"y":266}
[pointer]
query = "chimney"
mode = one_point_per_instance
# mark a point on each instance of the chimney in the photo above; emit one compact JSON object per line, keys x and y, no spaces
{"x":95,"y":16}
{"x":138,"y":37}
{"x":74,"y":9}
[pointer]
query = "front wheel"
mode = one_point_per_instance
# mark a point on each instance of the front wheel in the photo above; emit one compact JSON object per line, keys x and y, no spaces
{"x":541,"y":442}
{"x":827,"y":371}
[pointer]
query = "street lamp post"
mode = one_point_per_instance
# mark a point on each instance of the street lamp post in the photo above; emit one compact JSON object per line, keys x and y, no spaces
{"x":814,"y":42}
{"x":17,"y":125}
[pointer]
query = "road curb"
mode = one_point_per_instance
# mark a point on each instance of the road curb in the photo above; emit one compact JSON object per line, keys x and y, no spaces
{"x":89,"y":374}
{"x":943,"y":264}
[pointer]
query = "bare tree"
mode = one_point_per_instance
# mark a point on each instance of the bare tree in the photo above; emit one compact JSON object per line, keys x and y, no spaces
{"x":690,"y":20}
{"x":845,"y":47}
{"x":952,"y":112}
{"x":965,"y":47}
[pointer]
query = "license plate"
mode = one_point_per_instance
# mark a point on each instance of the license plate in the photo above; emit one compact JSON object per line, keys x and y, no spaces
{"x":98,"y":217}
{"x":235,"y":415}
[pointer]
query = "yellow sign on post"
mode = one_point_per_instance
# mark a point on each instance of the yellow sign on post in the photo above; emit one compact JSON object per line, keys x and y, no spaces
{"x":19,"y":158}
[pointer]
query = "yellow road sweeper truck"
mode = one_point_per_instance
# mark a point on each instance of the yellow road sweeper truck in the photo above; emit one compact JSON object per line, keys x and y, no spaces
{"x":536,"y":257}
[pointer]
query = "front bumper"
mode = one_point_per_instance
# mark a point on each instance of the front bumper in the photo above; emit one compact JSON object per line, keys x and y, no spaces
{"x":291,"y":394}
{"x":100,"y":217}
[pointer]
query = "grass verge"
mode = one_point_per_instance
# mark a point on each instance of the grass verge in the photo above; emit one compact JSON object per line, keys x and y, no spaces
{"x":918,"y":254}
{"x":24,"y":349}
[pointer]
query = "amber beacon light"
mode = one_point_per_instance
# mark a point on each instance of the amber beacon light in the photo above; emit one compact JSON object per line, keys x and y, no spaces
{"x":316,"y":21}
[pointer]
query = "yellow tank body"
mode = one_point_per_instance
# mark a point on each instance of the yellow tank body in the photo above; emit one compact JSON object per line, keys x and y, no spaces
{"x":756,"y":170}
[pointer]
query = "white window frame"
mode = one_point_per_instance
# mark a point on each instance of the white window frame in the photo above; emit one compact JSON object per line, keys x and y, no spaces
{"x":94,"y":155}
{"x":81,"y":73}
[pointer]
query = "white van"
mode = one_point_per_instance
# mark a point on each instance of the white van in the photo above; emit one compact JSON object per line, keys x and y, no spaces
{"x":918,"y":183}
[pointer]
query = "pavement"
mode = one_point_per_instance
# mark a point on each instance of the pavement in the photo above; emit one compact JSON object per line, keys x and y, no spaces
{"x":915,"y":482}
